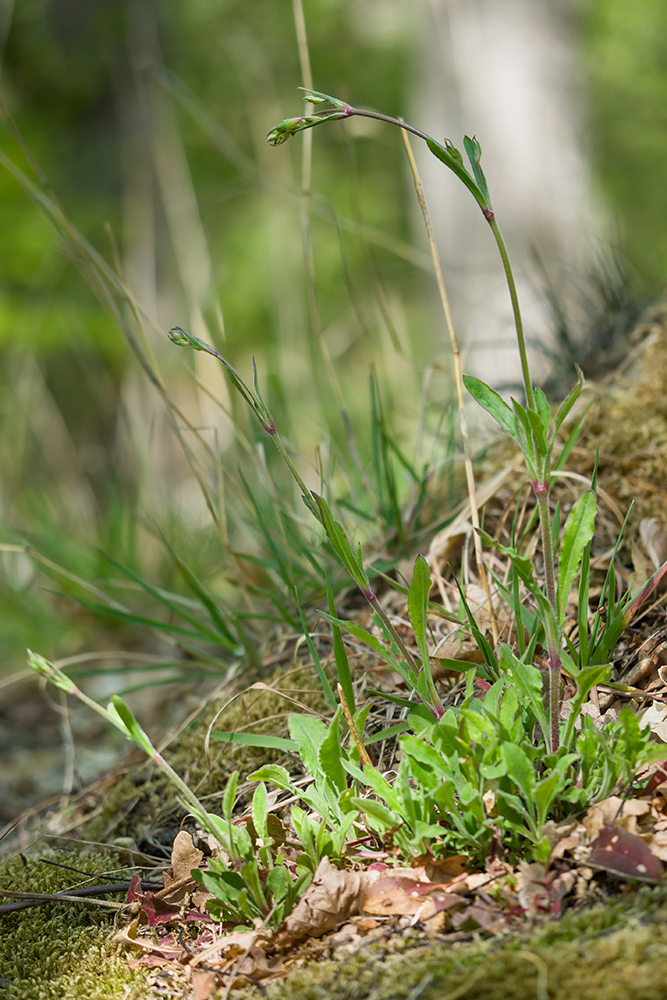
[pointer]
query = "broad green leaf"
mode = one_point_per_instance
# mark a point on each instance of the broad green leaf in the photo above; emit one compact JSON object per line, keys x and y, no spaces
{"x":309,"y":733}
{"x":376,"y":811}
{"x":277,"y":776}
{"x":521,"y":770}
{"x":422,"y":752}
{"x":579,"y":529}
{"x":493,"y":404}
{"x":371,"y":776}
{"x":585,"y":680}
{"x":279,"y":883}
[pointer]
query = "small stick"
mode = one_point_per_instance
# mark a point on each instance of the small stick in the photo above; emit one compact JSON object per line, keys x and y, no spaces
{"x":363,"y":752}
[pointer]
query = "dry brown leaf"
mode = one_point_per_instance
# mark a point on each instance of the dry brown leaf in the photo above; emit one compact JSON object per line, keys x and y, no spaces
{"x":393,"y":896}
{"x":203,"y":984}
{"x":655,"y":717}
{"x":164,"y":951}
{"x":609,"y":813}
{"x":438,"y":870}
{"x":333,"y":897}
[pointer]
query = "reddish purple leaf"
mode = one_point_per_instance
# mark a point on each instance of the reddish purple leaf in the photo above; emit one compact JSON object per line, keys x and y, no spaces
{"x":621,"y":853}
{"x":657,"y":778}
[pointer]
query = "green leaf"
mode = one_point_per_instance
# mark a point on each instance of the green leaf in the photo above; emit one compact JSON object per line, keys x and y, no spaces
{"x":256,"y":740}
{"x":371,"y":776}
{"x":352,"y":561}
{"x":118,"y":709}
{"x":279,"y":883}
{"x":260,"y":810}
{"x":579,"y":529}
{"x":340,"y":653}
{"x":495,"y":405}
{"x":386,"y":817}
{"x":229,"y":795}
{"x":474,"y":151}
{"x":423,"y":752}
{"x":543,"y":409}
{"x":569,"y":400}
{"x":521,"y":770}
{"x":527,"y":681}
{"x":452,"y":158}
{"x":277,"y":776}
{"x":309,"y":733}
{"x":329,"y":755}
{"x":585,"y":680}
{"x":533,"y":427}
{"x":324,"y":680}
{"x":418,"y":606}
{"x":359,"y":632}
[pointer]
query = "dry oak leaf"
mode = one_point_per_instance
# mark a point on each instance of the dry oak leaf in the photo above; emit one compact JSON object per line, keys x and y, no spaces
{"x":333,"y":897}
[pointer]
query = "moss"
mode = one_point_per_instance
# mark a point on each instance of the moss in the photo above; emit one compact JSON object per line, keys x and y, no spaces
{"x":616,"y":952}
{"x":62,"y":951}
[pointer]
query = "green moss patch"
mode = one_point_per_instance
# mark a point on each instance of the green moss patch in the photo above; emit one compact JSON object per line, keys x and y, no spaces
{"x":62,"y":951}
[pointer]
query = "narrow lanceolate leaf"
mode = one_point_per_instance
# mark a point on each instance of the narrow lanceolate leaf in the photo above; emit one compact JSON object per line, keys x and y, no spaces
{"x":532,"y":424}
{"x":543,"y":409}
{"x":340,"y":654}
{"x":452,"y":158}
{"x":474,"y":151}
{"x":256,"y":740}
{"x":493,"y":404}
{"x":569,"y":400}
{"x":359,"y":632}
{"x":351,"y":561}
{"x":418,"y":606}
{"x":579,"y":529}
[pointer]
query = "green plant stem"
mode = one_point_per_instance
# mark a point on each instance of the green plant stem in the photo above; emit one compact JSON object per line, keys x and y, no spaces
{"x":518,"y":322}
{"x":551,"y":624}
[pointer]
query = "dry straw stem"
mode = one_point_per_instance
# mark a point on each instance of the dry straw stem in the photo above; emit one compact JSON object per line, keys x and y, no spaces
{"x":458,"y":378}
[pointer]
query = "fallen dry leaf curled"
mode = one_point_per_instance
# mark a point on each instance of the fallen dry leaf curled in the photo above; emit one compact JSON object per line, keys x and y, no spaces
{"x":332,"y":897}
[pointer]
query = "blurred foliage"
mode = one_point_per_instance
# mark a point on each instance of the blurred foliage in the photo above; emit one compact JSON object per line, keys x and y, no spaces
{"x":625,"y":47}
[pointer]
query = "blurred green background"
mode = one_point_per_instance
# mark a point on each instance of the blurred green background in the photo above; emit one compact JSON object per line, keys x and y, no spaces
{"x":149,"y":119}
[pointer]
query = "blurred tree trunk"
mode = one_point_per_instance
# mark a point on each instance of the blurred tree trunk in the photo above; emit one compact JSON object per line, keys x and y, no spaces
{"x":508,"y":71}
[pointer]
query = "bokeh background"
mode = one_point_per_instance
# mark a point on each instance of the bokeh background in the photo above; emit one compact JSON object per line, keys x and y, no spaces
{"x":148,"y":118}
